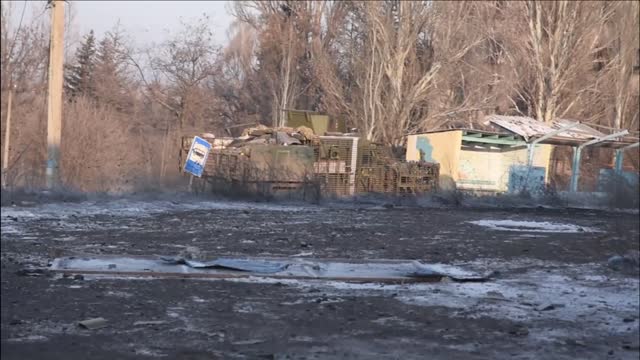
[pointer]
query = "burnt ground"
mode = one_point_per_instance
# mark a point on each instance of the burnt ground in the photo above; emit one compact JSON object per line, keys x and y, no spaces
{"x":554,"y":295}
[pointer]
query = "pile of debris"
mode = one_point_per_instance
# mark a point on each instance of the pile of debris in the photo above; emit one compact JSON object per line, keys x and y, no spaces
{"x":262,"y":135}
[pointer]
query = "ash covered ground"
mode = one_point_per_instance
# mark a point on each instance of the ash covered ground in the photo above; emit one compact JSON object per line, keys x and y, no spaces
{"x":554,"y":296}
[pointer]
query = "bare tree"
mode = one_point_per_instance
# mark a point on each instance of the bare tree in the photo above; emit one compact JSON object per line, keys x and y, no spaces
{"x":625,"y":46}
{"x":23,"y":64}
{"x":461,"y":86}
{"x":180,"y":68}
{"x":387,"y":60}
{"x":561,"y":37}
{"x":240,"y":96}
{"x":285,"y":32}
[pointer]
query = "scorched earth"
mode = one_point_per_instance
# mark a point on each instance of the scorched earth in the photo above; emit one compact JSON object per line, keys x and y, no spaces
{"x":552,"y":295}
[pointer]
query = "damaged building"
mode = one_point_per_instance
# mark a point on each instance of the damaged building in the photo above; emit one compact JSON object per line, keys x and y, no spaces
{"x":514,"y":153}
{"x":316,"y":156}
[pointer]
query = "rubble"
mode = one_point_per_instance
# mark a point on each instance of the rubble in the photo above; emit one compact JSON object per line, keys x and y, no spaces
{"x":277,"y":136}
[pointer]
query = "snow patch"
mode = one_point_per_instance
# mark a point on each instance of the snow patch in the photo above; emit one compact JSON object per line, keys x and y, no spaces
{"x":148,"y":352}
{"x":532,"y":226}
{"x":124,"y":208}
{"x":120,"y":294}
{"x":70,"y":217}
{"x":570,"y":293}
{"x":30,"y":338}
{"x":304,"y":253}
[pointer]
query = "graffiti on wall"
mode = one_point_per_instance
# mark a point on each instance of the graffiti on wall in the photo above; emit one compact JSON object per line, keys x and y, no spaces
{"x":425,"y":149}
{"x":525,"y":178}
{"x":472,"y":172}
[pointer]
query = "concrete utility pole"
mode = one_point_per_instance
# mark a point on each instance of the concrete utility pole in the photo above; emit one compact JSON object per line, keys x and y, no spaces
{"x":7,"y":137}
{"x":54,"y":113}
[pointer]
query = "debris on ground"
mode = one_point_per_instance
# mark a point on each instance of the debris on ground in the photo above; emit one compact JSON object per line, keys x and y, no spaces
{"x":631,"y":345}
{"x":519,"y":330}
{"x":280,"y":136}
{"x":150,"y":322}
{"x":549,"y":306}
{"x":190,"y":252}
{"x":92,"y":324}
{"x":626,"y":263}
{"x":32,"y":272}
{"x":286,"y":268}
{"x":248,"y":342}
{"x":574,"y":342}
{"x":315,"y":316}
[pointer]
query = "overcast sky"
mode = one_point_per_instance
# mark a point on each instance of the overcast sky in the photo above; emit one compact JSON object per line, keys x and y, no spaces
{"x":145,"y":21}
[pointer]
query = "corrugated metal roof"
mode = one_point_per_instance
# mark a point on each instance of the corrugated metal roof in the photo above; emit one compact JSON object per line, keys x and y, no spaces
{"x":529,"y":128}
{"x":582,"y":129}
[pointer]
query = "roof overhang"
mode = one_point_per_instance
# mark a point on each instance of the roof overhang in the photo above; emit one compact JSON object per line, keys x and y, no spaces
{"x":485,"y":138}
{"x":576,"y":133}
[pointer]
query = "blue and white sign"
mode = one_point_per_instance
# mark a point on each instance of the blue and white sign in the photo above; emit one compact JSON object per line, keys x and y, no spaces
{"x":197,"y":156}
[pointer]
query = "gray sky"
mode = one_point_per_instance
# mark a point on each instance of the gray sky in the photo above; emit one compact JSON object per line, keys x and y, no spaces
{"x":144,"y":21}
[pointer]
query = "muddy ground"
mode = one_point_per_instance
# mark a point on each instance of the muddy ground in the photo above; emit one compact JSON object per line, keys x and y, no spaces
{"x":554,"y":297}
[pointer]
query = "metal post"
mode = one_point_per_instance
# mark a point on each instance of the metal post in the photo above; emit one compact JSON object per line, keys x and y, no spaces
{"x":531,"y":145}
{"x":354,"y":162}
{"x":575,"y":170}
{"x":530,"y":153}
{"x":619,"y":161}
{"x":7,"y":139}
{"x":620,"y":157}
{"x":54,"y":114}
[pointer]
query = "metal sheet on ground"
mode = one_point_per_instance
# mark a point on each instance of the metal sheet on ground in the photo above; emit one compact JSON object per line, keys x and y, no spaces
{"x":258,"y":266}
{"x":287,"y":268}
